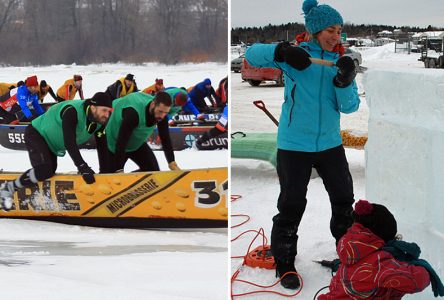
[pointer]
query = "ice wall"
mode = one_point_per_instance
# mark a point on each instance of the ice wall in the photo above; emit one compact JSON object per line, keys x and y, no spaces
{"x":405,"y":155}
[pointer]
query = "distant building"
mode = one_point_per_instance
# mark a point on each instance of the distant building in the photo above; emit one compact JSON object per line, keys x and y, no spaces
{"x":384,"y":34}
{"x":383,"y":41}
{"x":360,"y":42}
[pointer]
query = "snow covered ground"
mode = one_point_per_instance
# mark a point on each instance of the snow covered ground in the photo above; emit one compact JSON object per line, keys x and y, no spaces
{"x":42,"y":260}
{"x":257,"y":182}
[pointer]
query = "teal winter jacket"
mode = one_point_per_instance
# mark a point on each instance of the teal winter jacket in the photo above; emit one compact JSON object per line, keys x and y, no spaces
{"x":310,"y":116}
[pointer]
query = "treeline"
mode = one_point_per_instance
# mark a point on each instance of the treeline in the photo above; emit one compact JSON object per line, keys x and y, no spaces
{"x":48,"y":32}
{"x":272,"y":33}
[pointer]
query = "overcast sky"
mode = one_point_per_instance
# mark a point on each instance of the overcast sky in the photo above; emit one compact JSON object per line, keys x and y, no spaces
{"x":382,"y":12}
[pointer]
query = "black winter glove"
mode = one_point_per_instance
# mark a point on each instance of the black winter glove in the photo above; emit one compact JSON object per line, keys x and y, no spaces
{"x":296,"y":57}
{"x":87,"y":173}
{"x":346,"y":72}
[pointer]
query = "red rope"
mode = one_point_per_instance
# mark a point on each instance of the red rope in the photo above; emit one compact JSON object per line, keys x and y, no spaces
{"x":235,"y":197}
{"x":259,"y":232}
{"x":241,"y":223}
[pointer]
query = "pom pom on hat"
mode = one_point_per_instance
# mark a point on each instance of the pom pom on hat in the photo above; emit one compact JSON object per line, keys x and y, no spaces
{"x":319,"y":17}
{"x":308,"y":5}
{"x":363,"y":207}
{"x":377,"y":218}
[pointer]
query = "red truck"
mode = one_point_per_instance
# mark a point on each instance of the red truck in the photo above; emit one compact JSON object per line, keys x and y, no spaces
{"x":254,"y":76}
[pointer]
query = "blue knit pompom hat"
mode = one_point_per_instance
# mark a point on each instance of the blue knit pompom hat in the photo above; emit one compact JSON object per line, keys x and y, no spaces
{"x":319,"y":17}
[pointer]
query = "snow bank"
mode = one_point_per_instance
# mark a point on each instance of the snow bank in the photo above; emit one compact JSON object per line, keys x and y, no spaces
{"x":404,"y":153}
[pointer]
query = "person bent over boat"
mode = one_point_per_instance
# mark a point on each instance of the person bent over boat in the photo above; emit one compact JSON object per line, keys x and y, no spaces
{"x":156,"y":87}
{"x":122,"y":87}
{"x":132,"y":122}
{"x":220,"y":128}
{"x":62,"y":128}
{"x":16,"y":108}
{"x":201,"y":91}
{"x":222,"y":93}
{"x":45,"y":89}
{"x":181,"y":102}
{"x":5,"y":87}
{"x":69,"y":89}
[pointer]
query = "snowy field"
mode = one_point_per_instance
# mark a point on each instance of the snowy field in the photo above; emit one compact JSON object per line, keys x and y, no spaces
{"x":42,"y":260}
{"x":257,"y":183}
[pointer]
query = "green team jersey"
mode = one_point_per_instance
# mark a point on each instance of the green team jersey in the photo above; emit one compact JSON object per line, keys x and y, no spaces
{"x":172,"y":92}
{"x":139,"y":136}
{"x":49,"y":125}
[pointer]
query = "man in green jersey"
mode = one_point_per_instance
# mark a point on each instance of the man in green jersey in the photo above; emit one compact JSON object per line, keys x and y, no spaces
{"x":134,"y":119}
{"x":62,"y":128}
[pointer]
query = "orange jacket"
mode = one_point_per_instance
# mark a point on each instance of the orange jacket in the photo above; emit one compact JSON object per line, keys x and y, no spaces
{"x":4,"y":87}
{"x":68,"y":90}
{"x":150,"y":90}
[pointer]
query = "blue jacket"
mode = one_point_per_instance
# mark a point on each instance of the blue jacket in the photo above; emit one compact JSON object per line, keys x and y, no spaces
{"x":200,"y":91}
{"x":25,"y":99}
{"x":310,"y":115}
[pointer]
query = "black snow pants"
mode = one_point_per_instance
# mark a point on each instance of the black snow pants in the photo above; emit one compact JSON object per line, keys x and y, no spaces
{"x":43,"y":161}
{"x":143,"y":157}
{"x":294,"y":170}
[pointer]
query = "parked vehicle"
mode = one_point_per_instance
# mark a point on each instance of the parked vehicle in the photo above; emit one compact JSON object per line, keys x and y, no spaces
{"x":356,"y":56}
{"x":236,"y":64}
{"x":432,"y":49}
{"x":254,"y":76}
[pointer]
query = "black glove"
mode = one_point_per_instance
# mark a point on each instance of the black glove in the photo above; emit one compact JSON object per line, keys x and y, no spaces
{"x":346,"y":72}
{"x":296,"y":57}
{"x":87,"y":173}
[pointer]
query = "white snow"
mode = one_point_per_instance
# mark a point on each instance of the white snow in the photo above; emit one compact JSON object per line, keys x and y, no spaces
{"x":257,"y":181}
{"x":42,"y":260}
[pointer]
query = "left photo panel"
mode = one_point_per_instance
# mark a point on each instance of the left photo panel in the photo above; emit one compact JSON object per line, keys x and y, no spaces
{"x":114,"y":149}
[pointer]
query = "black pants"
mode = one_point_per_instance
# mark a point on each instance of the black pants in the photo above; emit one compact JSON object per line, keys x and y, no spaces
{"x":200,"y":104}
{"x":43,"y":161}
{"x":294,"y":170}
{"x":208,"y":135}
{"x":5,"y":96}
{"x":15,"y":113}
{"x":143,"y":157}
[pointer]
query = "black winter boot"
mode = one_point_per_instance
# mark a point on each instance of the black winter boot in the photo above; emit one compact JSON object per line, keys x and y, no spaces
{"x":290,"y":281}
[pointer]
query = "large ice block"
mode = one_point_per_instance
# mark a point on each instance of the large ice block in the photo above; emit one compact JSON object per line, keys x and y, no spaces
{"x":405,"y":155}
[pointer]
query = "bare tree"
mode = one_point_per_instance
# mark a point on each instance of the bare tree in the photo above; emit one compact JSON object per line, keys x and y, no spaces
{"x":93,"y":31}
{"x":7,"y":6}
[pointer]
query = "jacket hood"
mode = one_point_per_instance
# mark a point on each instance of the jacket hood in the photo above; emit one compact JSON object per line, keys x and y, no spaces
{"x":358,"y":243}
{"x":207,"y":81}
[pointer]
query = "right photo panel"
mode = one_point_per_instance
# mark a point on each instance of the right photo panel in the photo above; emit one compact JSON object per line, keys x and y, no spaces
{"x":337,"y":131}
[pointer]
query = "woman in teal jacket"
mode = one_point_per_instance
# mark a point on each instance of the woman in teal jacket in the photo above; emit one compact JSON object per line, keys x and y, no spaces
{"x":309,"y":129}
